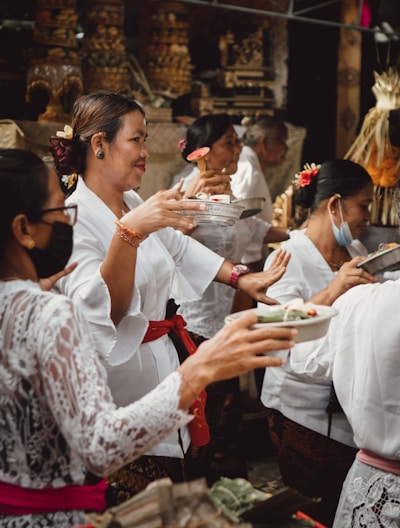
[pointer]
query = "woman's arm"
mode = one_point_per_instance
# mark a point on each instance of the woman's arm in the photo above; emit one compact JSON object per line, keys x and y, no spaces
{"x":257,"y":284}
{"x":107,"y":437}
{"x":118,"y":266}
{"x":347,"y":277}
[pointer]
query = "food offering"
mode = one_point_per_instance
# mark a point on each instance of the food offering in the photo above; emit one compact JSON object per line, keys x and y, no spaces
{"x":199,"y":156}
{"x":311,"y":320}
{"x":385,"y":258}
{"x":218,"y":210}
{"x":377,"y":147}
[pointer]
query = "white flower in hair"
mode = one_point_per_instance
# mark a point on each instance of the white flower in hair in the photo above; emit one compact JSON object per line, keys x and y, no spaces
{"x":68,"y":133}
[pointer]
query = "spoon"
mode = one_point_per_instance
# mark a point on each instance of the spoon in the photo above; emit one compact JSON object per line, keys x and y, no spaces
{"x":198,"y":156}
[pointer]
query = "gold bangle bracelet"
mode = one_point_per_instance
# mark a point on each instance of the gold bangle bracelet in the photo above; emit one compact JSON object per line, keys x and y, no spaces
{"x":128,"y":235}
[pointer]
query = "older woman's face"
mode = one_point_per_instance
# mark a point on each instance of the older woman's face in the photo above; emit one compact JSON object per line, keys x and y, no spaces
{"x":126,"y":157}
{"x":224,"y":153}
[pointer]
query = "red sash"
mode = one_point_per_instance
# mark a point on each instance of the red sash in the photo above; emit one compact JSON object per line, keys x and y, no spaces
{"x":198,"y":427}
{"x":15,"y":500}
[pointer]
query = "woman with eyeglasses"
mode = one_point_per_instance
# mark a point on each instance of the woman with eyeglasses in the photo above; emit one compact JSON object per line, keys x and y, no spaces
{"x":130,"y":254}
{"x":60,"y":429}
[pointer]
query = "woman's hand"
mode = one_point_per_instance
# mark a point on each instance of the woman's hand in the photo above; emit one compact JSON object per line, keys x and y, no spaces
{"x":235,"y":349}
{"x":48,"y":283}
{"x":161,"y":210}
{"x":347,"y":277}
{"x":257,"y":284}
{"x":209,"y":182}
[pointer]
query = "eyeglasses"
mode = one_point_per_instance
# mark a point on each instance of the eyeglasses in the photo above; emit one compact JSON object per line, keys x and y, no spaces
{"x":69,"y":211}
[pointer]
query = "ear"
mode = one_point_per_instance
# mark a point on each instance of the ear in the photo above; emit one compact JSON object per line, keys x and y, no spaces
{"x":22,"y":231}
{"x":332,"y":202}
{"x":97,"y":141}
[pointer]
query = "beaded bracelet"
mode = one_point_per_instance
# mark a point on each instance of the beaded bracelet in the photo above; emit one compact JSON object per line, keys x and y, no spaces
{"x":128,"y":235}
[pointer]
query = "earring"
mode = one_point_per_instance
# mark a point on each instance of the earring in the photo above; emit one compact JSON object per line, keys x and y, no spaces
{"x":30,"y":244}
{"x":99,"y":154}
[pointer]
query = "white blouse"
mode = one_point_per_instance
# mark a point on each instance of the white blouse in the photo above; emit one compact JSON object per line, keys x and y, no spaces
{"x":57,"y":417}
{"x":295,"y":394}
{"x":362,"y":353}
{"x":206,"y":317}
{"x":163,"y":258}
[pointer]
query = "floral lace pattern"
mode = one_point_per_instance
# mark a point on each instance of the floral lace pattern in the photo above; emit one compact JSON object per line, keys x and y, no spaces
{"x":370,"y":499}
{"x":57,"y":417}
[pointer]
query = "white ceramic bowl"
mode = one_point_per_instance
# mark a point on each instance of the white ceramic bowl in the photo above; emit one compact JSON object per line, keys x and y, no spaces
{"x":308,"y":329}
{"x":220,"y":213}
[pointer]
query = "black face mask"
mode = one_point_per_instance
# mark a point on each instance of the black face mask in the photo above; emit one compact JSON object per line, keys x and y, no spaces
{"x":54,"y":258}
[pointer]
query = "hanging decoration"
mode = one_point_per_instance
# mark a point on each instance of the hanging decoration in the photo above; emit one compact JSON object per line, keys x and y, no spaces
{"x":377,"y":147}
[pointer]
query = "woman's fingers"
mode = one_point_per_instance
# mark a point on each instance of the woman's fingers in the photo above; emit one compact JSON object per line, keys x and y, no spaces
{"x":281,"y":258}
{"x":209,"y":182}
{"x":48,"y":283}
{"x":239,"y":347}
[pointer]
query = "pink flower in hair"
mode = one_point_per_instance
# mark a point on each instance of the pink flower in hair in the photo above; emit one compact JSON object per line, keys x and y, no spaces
{"x":182,"y":144}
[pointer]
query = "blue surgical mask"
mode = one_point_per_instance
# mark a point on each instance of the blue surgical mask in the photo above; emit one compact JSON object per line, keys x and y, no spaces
{"x":343,"y":234}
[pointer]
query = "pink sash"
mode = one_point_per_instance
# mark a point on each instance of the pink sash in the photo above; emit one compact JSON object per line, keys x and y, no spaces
{"x":376,"y":461}
{"x":15,"y":500}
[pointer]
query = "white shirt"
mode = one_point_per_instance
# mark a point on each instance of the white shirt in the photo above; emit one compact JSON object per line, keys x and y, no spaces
{"x":249,"y":182}
{"x":167,"y":255}
{"x":362,"y":353}
{"x":57,"y":416}
{"x":296,"y":395}
{"x":206,"y":317}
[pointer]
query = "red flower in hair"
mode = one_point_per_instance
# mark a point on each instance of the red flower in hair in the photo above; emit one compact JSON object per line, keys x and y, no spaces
{"x":304,"y":178}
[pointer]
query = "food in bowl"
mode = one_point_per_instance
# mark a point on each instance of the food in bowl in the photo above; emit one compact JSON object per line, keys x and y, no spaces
{"x":311,"y":320}
{"x":385,"y":258}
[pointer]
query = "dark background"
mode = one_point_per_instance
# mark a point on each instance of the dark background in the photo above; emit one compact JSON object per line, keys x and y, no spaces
{"x":312,"y":62}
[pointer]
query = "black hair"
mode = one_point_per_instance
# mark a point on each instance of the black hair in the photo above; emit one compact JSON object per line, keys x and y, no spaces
{"x":205,"y":131}
{"x":100,"y":111}
{"x":337,"y":176}
{"x":24,"y":184}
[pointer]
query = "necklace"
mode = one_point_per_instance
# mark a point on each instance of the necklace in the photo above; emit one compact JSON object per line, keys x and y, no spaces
{"x":336,"y":266}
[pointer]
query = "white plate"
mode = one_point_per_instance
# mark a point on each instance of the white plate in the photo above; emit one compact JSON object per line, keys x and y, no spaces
{"x":220,"y":213}
{"x":308,"y":329}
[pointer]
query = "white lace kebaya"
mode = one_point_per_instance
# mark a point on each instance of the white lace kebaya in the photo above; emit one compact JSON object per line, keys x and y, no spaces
{"x":57,"y":417}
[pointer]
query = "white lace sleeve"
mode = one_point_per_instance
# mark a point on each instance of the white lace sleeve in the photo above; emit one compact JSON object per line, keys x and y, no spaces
{"x":76,"y":391}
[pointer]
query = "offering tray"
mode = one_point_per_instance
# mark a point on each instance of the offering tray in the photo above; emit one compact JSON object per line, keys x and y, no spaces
{"x":219,"y":213}
{"x":382,"y":260}
{"x":313,"y":327}
{"x":252,"y":206}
